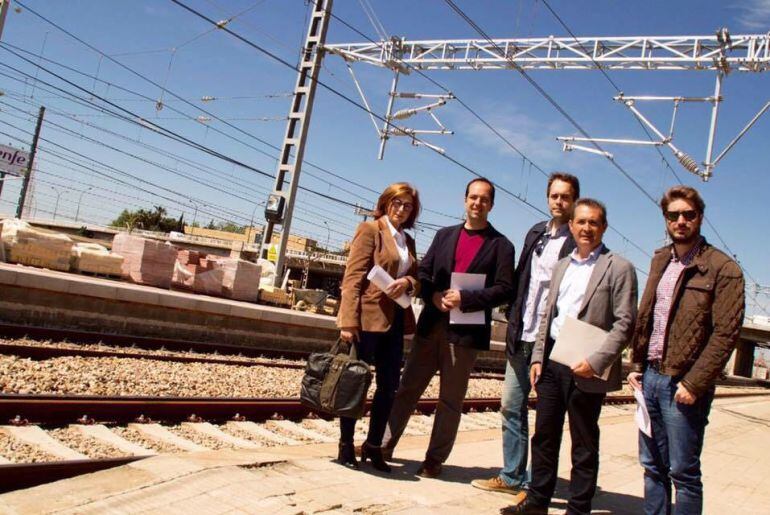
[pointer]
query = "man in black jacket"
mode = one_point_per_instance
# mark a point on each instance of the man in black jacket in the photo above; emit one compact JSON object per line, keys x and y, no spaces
{"x":545,"y":244}
{"x":474,"y":247}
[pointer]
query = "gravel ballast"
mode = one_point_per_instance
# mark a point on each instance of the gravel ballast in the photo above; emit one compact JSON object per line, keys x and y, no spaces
{"x":131,"y":377}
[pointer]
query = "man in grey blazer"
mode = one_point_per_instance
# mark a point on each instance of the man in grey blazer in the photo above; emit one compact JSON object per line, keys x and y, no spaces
{"x":598,"y":287}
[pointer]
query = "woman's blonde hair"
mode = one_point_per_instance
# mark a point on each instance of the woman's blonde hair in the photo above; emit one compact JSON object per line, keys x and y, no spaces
{"x":396,"y":190}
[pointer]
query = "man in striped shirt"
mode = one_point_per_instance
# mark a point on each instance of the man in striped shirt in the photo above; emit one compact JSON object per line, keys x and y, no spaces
{"x":689,"y":322}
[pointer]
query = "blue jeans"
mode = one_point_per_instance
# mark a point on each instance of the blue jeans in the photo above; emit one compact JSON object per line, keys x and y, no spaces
{"x":515,"y":421}
{"x":672,"y":455}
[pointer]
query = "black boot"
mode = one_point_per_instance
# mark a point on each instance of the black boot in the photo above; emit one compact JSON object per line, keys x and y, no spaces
{"x":347,"y":455}
{"x":375,"y":456}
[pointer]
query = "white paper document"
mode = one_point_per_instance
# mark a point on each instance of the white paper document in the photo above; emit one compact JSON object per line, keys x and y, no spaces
{"x":467,"y":282}
{"x":577,"y":340}
{"x":642,"y":416}
{"x":382,"y":280}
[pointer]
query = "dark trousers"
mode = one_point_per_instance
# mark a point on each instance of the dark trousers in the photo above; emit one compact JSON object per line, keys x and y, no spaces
{"x":557,"y":395}
{"x":428,"y":355}
{"x":386,"y":352}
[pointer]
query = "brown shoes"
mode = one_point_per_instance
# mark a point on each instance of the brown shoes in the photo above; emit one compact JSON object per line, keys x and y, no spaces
{"x":496,"y":485}
{"x":429,"y":469}
{"x":527,"y":506}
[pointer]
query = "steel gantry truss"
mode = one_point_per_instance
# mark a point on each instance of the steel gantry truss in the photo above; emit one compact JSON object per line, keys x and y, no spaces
{"x":722,"y":53}
{"x":746,"y":53}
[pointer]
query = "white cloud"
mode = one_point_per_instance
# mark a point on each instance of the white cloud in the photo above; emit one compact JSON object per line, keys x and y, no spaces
{"x":753,"y":14}
{"x":534,"y":138}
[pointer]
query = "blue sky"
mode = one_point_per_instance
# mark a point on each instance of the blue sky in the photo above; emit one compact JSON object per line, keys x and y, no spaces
{"x":142,"y":34}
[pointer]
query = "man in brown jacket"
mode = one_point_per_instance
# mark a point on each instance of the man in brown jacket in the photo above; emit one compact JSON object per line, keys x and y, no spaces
{"x":688,"y":324}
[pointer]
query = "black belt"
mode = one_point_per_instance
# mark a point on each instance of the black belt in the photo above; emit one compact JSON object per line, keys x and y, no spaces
{"x":655,"y":364}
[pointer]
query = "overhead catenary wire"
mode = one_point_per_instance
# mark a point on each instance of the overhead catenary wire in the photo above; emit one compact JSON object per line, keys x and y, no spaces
{"x":136,"y":119}
{"x":168,"y":169}
{"x":166,"y":90}
{"x":131,"y":117}
{"x":232,"y":214}
{"x":87,"y":103}
{"x":649,"y":136}
{"x":525,"y":159}
{"x":544,"y":94}
{"x":344,"y":97}
{"x":260,"y":140}
{"x":465,"y":105}
{"x":365,"y":109}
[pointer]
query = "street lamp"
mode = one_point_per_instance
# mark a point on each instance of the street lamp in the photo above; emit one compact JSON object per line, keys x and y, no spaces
{"x":328,"y":235}
{"x":250,"y":229}
{"x":195,"y":214}
{"x":77,"y":211}
{"x":56,"y":206}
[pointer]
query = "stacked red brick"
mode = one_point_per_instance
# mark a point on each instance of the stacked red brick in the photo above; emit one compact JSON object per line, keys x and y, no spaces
{"x":241,"y":279}
{"x":145,"y":261}
{"x":218,"y":276}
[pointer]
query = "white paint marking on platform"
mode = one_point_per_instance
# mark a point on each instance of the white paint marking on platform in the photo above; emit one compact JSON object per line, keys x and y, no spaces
{"x":291,"y":427}
{"x":483,"y":419}
{"x":103,"y":434}
{"x":414,"y":428}
{"x":419,"y":425}
{"x":323,"y":426}
{"x":161,"y":434}
{"x":208,"y":429}
{"x":36,"y":437}
{"x":263,"y":433}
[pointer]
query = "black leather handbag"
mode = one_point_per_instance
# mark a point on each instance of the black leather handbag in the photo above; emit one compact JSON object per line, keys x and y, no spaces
{"x":336,"y":382}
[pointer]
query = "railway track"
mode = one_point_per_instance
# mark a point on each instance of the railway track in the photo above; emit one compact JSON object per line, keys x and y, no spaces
{"x":62,"y":409}
{"x":59,"y":410}
{"x":264,"y":358}
{"x":118,"y":340}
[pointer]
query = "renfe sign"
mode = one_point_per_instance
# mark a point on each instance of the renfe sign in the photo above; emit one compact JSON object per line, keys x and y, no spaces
{"x":12,"y":160}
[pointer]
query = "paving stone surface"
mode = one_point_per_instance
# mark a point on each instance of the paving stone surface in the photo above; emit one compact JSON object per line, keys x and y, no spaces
{"x":303,"y":479}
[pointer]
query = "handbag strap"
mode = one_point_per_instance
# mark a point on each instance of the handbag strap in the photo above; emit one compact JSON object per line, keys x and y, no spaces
{"x":352,"y":352}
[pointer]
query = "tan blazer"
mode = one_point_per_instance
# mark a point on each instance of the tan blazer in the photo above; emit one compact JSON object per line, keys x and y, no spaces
{"x":363,"y":305}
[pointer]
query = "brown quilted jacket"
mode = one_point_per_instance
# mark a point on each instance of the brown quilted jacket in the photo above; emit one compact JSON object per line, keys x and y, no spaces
{"x":705,"y":319}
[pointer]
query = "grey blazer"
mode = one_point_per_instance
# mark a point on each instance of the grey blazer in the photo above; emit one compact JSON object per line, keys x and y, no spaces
{"x":609,"y":303}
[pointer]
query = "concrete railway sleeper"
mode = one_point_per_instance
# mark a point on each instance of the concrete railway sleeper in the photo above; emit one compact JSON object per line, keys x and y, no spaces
{"x":132,"y":434}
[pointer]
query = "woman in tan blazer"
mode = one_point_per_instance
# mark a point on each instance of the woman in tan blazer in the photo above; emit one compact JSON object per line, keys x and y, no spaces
{"x":370,"y":318}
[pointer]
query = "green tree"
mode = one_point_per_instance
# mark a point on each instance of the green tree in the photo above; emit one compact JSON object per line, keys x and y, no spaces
{"x":155,"y":220}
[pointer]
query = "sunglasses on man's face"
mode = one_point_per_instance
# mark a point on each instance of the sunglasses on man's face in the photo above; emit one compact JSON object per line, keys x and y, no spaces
{"x":689,"y":215}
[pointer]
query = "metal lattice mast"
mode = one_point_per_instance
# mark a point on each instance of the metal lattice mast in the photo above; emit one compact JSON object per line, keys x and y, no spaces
{"x":280,"y":206}
{"x":746,"y":52}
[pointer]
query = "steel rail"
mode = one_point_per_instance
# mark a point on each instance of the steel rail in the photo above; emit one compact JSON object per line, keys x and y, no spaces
{"x":37,"y":352}
{"x":69,"y":409}
{"x":145,"y":342}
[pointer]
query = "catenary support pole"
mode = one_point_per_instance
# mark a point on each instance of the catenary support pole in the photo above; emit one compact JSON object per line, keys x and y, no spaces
{"x":28,"y":172}
{"x":293,"y":147}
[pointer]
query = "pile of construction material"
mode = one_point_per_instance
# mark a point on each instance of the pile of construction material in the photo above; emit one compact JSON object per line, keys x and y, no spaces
{"x":219,"y":276}
{"x":92,"y":258}
{"x":27,"y":245}
{"x":145,"y":261}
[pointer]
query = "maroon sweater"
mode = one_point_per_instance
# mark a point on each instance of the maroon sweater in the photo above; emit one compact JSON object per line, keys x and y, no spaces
{"x":468,"y":245}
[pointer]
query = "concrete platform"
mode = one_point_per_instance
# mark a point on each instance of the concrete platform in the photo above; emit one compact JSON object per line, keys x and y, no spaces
{"x":52,"y":299}
{"x":736,"y":463}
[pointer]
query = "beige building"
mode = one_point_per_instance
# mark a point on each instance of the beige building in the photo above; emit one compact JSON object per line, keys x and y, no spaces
{"x":297,"y":243}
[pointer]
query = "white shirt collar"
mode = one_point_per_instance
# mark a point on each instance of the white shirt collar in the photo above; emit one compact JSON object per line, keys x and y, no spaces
{"x":398,"y":235}
{"x":593,"y":256}
{"x":561,"y":231}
